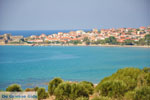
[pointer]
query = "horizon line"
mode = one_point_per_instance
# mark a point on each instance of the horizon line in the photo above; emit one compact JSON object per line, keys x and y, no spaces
{"x":69,"y":29}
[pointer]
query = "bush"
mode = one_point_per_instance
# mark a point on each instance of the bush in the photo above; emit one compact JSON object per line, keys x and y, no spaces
{"x":63,"y":91}
{"x":89,"y":86}
{"x":32,"y":89}
{"x":14,"y":88}
{"x":115,"y":89}
{"x":29,"y":89}
{"x":142,"y":93}
{"x":86,"y":82}
{"x":78,"y":90}
{"x":42,"y":94}
{"x":70,"y":91}
{"x":128,"y":75}
{"x":53,"y":85}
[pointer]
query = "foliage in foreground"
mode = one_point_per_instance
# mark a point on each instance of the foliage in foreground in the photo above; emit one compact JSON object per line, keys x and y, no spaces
{"x":89,"y":86}
{"x":125,"y":84}
{"x":142,"y":93}
{"x":42,"y":94}
{"x":53,"y":85}
{"x":115,"y":89}
{"x":71,"y":91}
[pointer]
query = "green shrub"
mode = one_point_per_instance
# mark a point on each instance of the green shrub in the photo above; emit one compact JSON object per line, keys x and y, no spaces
{"x":63,"y":91}
{"x":70,"y":91}
{"x":86,"y":82}
{"x":14,"y":88}
{"x":53,"y":85}
{"x":89,"y":86}
{"x":29,"y":89}
{"x":142,"y":93}
{"x":115,"y":89}
{"x":42,"y":94}
{"x":78,"y":90}
{"x":128,"y":75}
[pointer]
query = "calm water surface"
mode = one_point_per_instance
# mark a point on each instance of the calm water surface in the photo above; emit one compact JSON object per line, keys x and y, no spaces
{"x":33,"y":66}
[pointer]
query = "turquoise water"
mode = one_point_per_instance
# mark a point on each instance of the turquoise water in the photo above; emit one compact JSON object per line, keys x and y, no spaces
{"x":33,"y":66}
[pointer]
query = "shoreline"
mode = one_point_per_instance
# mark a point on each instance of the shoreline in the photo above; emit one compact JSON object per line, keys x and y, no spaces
{"x":76,"y":45}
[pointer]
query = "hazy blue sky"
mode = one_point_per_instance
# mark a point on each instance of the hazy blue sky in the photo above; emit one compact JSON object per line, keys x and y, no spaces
{"x":73,"y":14}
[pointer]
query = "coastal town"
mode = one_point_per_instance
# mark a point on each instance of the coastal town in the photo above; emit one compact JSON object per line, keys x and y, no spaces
{"x":120,"y":36}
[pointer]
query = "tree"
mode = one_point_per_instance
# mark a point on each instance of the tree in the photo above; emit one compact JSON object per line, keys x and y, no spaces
{"x":75,"y":42}
{"x":111,"y":40}
{"x":14,"y":88}
{"x":141,"y":42}
{"x":147,"y":39}
{"x":101,"y":41}
{"x":53,"y":85}
{"x":42,"y":94}
{"x":86,"y":40}
{"x":129,"y":42}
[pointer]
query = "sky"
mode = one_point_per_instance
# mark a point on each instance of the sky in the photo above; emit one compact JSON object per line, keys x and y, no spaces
{"x":73,"y":14}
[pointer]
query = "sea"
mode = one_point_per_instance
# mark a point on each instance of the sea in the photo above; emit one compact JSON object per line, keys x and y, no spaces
{"x":32,"y":66}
